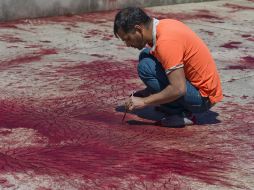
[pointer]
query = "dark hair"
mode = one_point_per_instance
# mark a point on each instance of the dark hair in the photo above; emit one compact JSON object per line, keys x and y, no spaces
{"x":127,"y":18}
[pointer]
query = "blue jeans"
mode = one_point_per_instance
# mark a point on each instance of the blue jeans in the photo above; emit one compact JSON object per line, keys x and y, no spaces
{"x":154,"y":77}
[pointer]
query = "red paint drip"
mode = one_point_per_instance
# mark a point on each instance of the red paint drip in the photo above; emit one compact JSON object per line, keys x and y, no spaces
{"x":231,"y":45}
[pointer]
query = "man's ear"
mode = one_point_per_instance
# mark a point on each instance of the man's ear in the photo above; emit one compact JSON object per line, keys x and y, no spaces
{"x":139,"y":28}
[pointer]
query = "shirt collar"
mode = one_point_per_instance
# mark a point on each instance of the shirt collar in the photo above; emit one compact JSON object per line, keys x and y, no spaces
{"x":155,"y":23}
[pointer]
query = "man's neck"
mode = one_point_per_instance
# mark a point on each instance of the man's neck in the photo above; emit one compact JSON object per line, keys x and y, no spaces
{"x":149,"y":34}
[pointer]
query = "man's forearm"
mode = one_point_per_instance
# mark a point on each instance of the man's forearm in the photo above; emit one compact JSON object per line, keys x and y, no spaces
{"x":169,"y":94}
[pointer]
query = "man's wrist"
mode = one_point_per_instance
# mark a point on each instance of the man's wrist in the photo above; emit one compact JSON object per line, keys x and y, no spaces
{"x":146,"y":101}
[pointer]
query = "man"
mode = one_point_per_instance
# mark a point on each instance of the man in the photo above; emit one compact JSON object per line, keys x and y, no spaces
{"x":177,"y":68}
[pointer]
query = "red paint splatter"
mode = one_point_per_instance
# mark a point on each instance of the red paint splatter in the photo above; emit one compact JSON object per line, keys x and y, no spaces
{"x":105,"y":36}
{"x":246,"y":62}
{"x":5,"y":183}
{"x":98,"y":147}
{"x":71,"y":20}
{"x":28,"y":58}
{"x":10,"y":38}
{"x":47,"y":51}
{"x":199,"y":15}
{"x":236,"y":7}
{"x":246,"y":35}
{"x":244,"y":97}
{"x":8,"y":25}
{"x":251,"y":39}
{"x":79,"y":133}
{"x":85,"y":135}
{"x":231,"y":45}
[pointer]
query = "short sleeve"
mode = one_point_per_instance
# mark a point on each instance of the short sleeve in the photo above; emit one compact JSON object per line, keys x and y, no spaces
{"x":170,"y":54}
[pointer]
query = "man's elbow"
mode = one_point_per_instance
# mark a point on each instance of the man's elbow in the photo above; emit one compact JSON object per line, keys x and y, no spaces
{"x":181,"y":91}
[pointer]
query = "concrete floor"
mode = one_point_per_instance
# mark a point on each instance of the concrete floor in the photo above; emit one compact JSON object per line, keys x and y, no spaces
{"x":63,"y":83}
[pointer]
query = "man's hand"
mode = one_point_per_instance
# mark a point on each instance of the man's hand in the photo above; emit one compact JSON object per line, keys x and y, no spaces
{"x":142,"y":93}
{"x":135,"y":103}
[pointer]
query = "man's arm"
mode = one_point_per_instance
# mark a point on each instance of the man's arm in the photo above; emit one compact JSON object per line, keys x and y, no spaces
{"x":175,"y":90}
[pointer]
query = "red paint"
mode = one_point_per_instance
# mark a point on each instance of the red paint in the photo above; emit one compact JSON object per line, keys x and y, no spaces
{"x":246,"y":35}
{"x":85,"y":136}
{"x":47,"y":52}
{"x":5,"y":132}
{"x":8,"y":25}
{"x":101,"y":17}
{"x":28,"y":58}
{"x":251,"y":39}
{"x":10,"y":38}
{"x":99,"y":147}
{"x":246,"y":62}
{"x":79,"y":135}
{"x":94,"y":32}
{"x":244,"y":97}
{"x":231,"y":45}
{"x":103,"y":35}
{"x":199,"y":15}
{"x":107,"y":37}
{"x":236,"y":7}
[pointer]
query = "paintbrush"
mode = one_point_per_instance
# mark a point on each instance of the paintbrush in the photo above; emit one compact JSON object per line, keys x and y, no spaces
{"x":125,"y":112}
{"x":126,"y":109}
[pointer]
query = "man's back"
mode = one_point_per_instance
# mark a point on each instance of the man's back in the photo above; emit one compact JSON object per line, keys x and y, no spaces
{"x":177,"y":45}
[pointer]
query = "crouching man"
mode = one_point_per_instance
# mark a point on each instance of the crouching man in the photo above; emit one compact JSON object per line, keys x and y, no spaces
{"x":174,"y":64}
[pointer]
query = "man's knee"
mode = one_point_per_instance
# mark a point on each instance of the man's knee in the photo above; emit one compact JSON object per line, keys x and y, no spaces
{"x":146,"y":63}
{"x":144,"y":67}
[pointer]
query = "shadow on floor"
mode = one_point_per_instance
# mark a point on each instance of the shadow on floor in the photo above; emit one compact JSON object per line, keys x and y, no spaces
{"x":149,"y":113}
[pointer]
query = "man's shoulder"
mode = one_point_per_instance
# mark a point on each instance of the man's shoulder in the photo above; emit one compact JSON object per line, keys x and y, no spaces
{"x":169,"y":29}
{"x":169,"y":22}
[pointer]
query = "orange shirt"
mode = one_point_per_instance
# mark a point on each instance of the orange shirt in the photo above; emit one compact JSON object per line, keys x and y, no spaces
{"x":175,"y":46}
